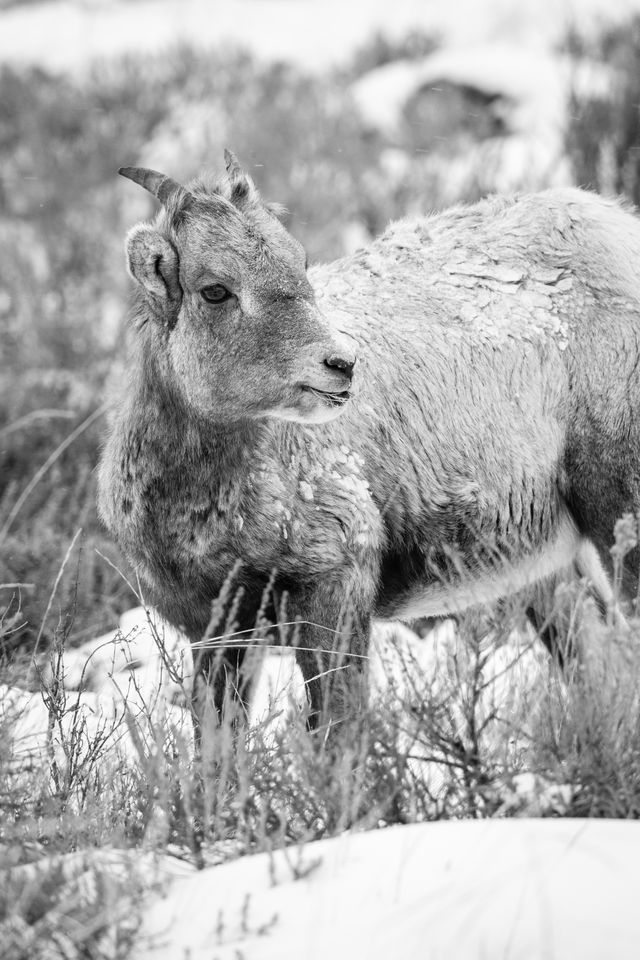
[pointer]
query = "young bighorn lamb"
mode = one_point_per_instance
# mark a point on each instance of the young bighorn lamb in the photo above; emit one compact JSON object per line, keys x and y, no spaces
{"x":438,"y":420}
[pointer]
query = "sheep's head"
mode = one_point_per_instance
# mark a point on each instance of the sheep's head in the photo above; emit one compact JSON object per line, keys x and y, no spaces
{"x":226,"y":290}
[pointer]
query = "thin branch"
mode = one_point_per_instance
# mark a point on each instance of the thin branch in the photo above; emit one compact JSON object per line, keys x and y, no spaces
{"x":53,"y":592}
{"x":35,"y":415}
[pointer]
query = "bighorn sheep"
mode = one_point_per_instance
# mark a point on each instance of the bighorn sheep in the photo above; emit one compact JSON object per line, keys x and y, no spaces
{"x":440,"y":419}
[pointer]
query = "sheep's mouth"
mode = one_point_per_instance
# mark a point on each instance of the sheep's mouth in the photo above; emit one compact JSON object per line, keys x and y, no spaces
{"x":334,"y":398}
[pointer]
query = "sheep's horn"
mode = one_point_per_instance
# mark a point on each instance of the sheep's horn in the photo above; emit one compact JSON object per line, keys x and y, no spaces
{"x":156,"y":183}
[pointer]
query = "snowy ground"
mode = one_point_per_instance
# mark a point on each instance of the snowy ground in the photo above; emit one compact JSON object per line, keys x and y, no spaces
{"x":474,"y":890}
{"x":142,"y":669}
{"x":518,"y":888}
{"x":67,"y":35}
{"x":142,"y":672}
{"x":112,"y":684}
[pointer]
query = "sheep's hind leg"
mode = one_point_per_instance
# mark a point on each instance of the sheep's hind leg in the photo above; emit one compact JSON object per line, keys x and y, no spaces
{"x":552,"y":616}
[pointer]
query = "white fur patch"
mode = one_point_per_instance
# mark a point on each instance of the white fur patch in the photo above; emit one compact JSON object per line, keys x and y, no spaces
{"x":321,"y":413}
{"x":590,"y":566}
{"x":440,"y":599}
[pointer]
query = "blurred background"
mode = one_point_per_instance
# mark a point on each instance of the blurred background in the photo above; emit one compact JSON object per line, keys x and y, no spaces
{"x":350,"y":113}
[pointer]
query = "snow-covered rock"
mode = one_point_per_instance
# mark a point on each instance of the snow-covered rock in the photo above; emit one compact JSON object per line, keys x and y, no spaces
{"x":444,"y":684}
{"x":142,"y":657}
{"x":128,"y":693}
{"x":85,"y":728}
{"x":512,"y":127}
{"x":117,"y":699}
{"x":460,"y":890}
{"x":525,"y":88}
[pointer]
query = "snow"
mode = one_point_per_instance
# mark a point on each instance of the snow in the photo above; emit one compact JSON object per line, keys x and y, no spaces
{"x":89,"y":721}
{"x":68,"y":35}
{"x":535,"y":81}
{"x":516,"y":889}
{"x":124,"y":676}
{"x":112,"y":684}
{"x":532,"y":87}
{"x":130,"y":655}
{"x":125,"y":694}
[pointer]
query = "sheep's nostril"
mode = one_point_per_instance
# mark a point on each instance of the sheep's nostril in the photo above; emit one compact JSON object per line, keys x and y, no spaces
{"x":342,"y":363}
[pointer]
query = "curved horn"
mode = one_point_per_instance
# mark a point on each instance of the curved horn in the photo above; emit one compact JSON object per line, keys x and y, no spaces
{"x":156,"y":183}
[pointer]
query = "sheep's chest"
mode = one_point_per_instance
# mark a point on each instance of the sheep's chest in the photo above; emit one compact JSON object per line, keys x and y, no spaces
{"x":310,"y":514}
{"x":306,"y":514}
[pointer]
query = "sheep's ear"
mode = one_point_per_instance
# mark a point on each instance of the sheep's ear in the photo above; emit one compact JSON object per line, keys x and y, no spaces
{"x":242,"y":186}
{"x":153,"y":262}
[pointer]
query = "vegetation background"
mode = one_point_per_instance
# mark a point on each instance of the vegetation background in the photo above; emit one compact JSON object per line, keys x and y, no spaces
{"x":63,"y":296}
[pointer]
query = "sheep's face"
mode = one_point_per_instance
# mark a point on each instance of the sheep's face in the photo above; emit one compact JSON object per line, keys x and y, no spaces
{"x":235,"y":315}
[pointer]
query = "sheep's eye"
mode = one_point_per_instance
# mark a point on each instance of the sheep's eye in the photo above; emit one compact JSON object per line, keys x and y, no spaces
{"x":215,"y":293}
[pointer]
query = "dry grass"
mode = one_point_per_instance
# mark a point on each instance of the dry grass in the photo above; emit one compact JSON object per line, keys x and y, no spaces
{"x":481,"y":724}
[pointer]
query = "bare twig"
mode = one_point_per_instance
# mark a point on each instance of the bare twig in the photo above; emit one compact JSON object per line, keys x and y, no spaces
{"x":54,"y":590}
{"x":35,"y":415}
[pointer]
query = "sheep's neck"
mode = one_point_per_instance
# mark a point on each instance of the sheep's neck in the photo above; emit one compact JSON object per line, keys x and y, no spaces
{"x":176,"y":444}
